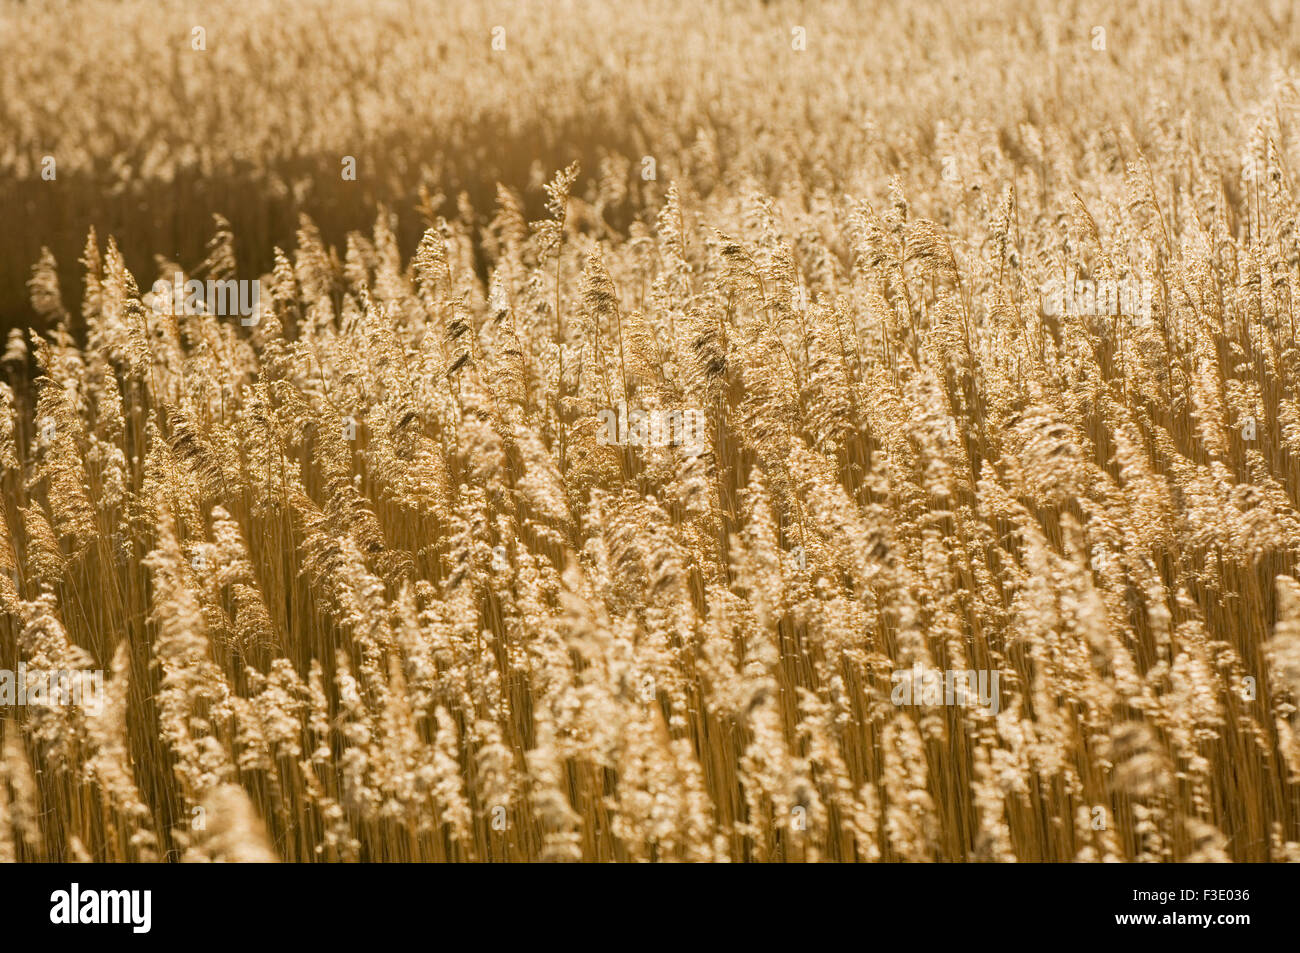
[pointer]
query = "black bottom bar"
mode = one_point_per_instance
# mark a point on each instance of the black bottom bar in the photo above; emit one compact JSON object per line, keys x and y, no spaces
{"x":335,"y":903}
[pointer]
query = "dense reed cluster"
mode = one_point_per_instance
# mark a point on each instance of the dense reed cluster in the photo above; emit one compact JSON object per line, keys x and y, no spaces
{"x":607,"y":522}
{"x":150,"y":136}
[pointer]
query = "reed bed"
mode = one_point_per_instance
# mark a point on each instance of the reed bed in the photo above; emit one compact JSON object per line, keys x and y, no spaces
{"x":594,"y":516}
